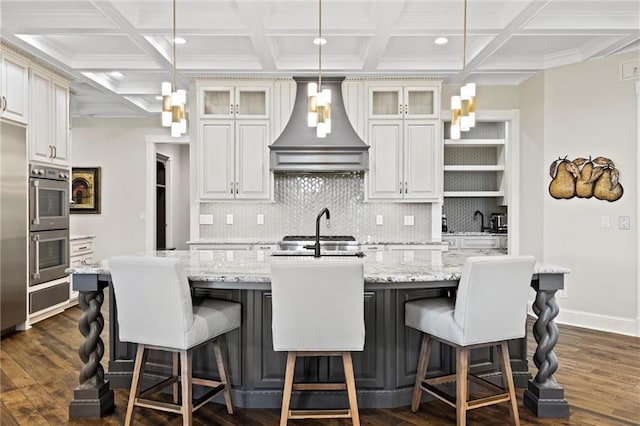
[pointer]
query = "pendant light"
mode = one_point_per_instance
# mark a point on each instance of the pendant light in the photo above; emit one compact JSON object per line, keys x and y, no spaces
{"x":319,"y":100}
{"x":463,"y":107}
{"x":174,"y":100}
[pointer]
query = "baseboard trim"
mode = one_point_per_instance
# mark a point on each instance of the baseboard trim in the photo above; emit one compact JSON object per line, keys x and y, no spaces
{"x":608,"y":323}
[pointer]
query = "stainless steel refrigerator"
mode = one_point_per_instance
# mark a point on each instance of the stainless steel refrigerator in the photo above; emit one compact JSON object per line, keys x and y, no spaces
{"x":13,"y":225}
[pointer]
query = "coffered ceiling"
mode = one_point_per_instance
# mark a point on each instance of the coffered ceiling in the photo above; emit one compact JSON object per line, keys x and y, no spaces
{"x":508,"y":40}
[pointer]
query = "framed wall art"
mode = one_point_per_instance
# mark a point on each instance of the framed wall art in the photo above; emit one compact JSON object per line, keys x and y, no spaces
{"x":85,"y":190}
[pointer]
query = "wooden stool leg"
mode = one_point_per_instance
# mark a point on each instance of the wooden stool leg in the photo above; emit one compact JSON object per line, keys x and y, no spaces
{"x":462,"y":388}
{"x":421,"y":373}
{"x":175,"y":371}
{"x":507,"y":380}
{"x":222,"y":370}
{"x":351,"y":387}
{"x":288,"y":387}
{"x":141,"y":356}
{"x":186,"y":358}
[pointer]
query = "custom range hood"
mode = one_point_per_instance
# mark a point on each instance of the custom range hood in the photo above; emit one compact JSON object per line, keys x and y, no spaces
{"x":298,"y":149}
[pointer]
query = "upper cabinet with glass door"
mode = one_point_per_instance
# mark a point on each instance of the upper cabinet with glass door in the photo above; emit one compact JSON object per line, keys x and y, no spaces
{"x":245,"y":102}
{"x":406,"y":102}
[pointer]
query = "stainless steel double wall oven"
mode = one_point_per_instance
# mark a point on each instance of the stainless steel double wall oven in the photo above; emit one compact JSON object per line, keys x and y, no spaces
{"x":48,"y":223}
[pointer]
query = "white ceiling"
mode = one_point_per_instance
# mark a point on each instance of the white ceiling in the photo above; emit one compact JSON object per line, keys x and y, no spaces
{"x":508,"y":40}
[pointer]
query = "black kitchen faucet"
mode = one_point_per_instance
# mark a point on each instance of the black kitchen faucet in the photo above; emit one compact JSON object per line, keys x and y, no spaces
{"x":316,"y":252}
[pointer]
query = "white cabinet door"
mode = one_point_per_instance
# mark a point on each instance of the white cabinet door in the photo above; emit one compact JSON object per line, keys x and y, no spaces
{"x":233,"y":101}
{"x":14,"y":88}
{"x":420,"y":102}
{"x":421,"y":160}
{"x":385,"y":102}
{"x":49,"y":119}
{"x":216,"y":162}
{"x":60,"y":124}
{"x":40,"y":140}
{"x":216,"y":102}
{"x":252,"y":160}
{"x":252,"y":102}
{"x":385,"y":159}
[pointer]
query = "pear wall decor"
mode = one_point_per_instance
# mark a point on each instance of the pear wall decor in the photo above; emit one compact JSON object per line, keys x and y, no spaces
{"x":585,"y":178}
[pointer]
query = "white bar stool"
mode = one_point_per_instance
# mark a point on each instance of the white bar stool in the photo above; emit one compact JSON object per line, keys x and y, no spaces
{"x":318,"y":310}
{"x":155,"y":311}
{"x":490,"y":309}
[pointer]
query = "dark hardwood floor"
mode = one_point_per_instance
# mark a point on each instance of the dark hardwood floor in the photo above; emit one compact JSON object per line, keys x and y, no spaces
{"x":599,"y":371}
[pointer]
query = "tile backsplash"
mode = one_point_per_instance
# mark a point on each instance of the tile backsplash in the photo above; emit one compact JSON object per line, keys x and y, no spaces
{"x":298,"y":200}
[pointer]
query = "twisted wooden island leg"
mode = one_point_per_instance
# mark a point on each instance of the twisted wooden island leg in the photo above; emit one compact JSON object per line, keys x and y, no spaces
{"x":93,"y":398}
{"x":544,"y":396}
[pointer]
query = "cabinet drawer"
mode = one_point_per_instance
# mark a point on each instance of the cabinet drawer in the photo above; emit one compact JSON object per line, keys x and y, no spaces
{"x":480,"y":242}
{"x":45,"y":298}
{"x":80,"y":247}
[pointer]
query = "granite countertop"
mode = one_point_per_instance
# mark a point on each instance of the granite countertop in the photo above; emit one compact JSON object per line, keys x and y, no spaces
{"x":381,"y":267}
{"x":256,"y":241}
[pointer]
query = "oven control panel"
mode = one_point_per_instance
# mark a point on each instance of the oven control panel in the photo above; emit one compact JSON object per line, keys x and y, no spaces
{"x":51,"y":173}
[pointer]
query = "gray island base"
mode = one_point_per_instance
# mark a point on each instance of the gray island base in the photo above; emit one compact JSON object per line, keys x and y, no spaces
{"x":385,"y":370}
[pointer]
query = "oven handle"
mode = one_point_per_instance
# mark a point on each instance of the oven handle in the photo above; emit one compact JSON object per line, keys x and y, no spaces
{"x":36,"y":239}
{"x":36,"y":215}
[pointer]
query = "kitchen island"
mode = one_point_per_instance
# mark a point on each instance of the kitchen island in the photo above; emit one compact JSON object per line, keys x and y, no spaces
{"x":385,"y":370}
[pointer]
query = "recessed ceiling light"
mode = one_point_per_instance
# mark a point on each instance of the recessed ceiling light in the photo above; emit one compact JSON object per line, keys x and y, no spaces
{"x":179,"y":40}
{"x":158,"y":98}
{"x":318,"y":40}
{"x":441,"y":40}
{"x":116,"y":74}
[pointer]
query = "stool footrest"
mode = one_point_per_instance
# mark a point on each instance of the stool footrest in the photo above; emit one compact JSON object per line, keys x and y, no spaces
{"x":319,"y":414}
{"x":319,"y":386}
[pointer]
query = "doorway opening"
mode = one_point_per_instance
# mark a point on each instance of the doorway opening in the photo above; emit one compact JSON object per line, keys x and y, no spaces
{"x":161,"y":201}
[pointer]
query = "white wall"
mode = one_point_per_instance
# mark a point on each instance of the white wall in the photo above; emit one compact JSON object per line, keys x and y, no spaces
{"x":118,"y":146}
{"x":587,"y":110}
{"x":532,"y":170}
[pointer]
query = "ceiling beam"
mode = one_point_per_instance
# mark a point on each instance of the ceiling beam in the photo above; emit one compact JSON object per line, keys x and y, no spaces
{"x":528,"y":13}
{"x":111,"y":13}
{"x":252,"y":19}
{"x":389,"y":15}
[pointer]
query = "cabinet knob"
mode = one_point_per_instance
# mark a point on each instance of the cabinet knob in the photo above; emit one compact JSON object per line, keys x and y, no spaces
{"x":401,"y":187}
{"x":400,"y":109}
{"x":237,"y":187}
{"x":3,"y":103}
{"x":406,"y":187}
{"x":231,"y":187}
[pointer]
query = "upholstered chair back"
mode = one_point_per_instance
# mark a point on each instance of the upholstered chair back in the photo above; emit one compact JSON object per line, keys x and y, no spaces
{"x":318,"y":304}
{"x":153,"y":301}
{"x":491,"y":303}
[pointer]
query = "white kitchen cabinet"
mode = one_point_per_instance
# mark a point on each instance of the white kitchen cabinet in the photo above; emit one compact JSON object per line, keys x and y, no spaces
{"x":14,"y":87}
{"x":234,"y":101}
{"x":399,"y":101}
{"x":49,"y":118}
{"x":404,"y":160}
{"x":479,"y":242}
{"x":234,"y":160}
{"x":80,"y":255}
{"x":232,"y":142}
{"x":475,"y":242}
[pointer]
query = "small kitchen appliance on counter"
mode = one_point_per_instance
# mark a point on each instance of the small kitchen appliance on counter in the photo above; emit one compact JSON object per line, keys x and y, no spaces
{"x":498,"y":223}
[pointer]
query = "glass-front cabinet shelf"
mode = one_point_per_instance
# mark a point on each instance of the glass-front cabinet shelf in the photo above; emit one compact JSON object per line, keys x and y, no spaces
{"x":403,"y":102}
{"x":234,"y":102}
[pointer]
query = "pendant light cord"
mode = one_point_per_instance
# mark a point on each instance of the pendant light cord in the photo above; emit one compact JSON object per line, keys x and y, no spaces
{"x":319,"y":45}
{"x":464,"y":46}
{"x":174,"y":45}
